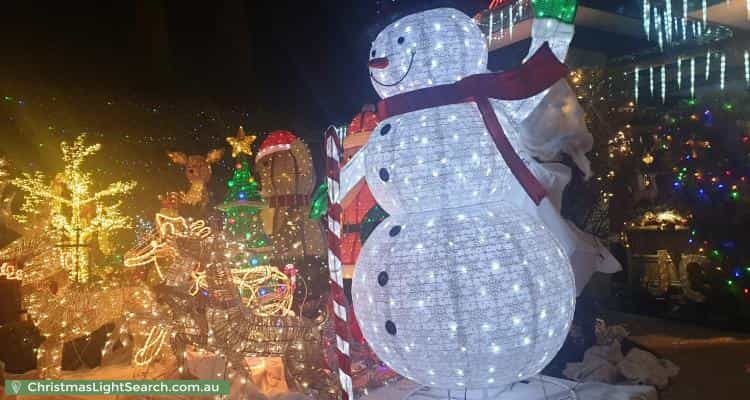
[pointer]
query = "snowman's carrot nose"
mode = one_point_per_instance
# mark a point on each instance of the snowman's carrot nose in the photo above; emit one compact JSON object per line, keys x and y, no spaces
{"x":378,"y":63}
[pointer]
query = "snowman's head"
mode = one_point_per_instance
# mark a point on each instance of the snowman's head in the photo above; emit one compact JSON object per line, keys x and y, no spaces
{"x":429,"y":48}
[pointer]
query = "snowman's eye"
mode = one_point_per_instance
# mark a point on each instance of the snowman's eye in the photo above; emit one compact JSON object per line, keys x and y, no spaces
{"x":372,"y":54}
{"x":400,"y":40}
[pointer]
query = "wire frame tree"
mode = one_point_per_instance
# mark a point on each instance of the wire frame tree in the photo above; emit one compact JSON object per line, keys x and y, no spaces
{"x":77,"y":212}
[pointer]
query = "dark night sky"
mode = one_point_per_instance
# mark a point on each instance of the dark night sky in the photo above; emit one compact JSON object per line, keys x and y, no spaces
{"x":301,"y":63}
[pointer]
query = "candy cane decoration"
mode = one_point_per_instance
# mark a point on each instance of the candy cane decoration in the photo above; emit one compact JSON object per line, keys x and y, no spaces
{"x":340,"y":302}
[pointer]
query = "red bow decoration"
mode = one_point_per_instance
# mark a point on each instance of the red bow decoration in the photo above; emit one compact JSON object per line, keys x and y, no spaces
{"x":539,"y":73}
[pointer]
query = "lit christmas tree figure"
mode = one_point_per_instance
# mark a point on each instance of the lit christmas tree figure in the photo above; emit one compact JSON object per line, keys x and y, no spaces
{"x":243,"y":224}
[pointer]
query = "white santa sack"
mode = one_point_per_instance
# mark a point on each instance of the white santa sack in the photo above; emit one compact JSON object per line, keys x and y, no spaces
{"x":549,"y":124}
{"x":557,"y":126}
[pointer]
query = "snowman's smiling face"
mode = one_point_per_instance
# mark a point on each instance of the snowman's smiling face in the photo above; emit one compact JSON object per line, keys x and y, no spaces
{"x":430,"y":48}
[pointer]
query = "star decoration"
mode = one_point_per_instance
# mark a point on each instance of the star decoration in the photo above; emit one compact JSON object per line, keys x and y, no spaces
{"x":241,"y":143}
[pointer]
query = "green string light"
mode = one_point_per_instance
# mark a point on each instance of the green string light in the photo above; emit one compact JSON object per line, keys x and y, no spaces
{"x":561,"y":10}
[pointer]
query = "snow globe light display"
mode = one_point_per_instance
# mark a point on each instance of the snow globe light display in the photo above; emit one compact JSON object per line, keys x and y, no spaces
{"x":459,"y":288}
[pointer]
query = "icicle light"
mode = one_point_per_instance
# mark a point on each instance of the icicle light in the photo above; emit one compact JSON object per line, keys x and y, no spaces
{"x":722,"y":70}
{"x":663,"y":83}
{"x":668,"y":21}
{"x":708,"y":64}
{"x":658,"y":27}
{"x":489,"y":40}
{"x":647,"y":18}
{"x":692,"y":78}
{"x":747,"y":66}
{"x":502,"y":24}
{"x":510,"y":20}
{"x":704,"y":11}
{"x":679,"y":72}
{"x":651,"y":80}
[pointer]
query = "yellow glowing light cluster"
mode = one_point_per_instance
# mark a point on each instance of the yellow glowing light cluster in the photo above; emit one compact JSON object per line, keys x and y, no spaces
{"x":241,"y":144}
{"x":10,"y":272}
{"x":77,"y":212}
{"x":662,"y":218}
{"x":619,"y":145}
{"x":251,"y":280}
{"x":151,"y":348}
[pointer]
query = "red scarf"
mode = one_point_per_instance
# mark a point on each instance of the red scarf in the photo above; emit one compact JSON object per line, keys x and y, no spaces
{"x":539,"y":73}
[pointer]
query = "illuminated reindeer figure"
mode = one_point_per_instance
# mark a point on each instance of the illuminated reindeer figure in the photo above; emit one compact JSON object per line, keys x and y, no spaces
{"x":62,"y":309}
{"x":30,"y":242}
{"x":206,"y":309}
{"x":198,"y":173}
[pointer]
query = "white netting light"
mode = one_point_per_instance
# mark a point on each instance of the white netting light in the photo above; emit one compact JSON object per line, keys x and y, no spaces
{"x":431,"y":48}
{"x":458,"y":288}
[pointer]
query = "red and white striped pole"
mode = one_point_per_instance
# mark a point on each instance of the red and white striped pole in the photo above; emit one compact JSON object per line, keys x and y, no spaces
{"x":334,"y":152}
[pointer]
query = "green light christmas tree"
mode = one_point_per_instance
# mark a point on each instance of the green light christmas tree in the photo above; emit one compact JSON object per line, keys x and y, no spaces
{"x":241,"y":207}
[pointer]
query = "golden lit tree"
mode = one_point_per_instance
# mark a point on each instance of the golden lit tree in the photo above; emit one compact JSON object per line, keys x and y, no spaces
{"x":77,"y":213}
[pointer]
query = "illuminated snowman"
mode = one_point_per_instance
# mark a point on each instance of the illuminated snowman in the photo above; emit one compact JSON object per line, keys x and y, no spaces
{"x":464,"y":285}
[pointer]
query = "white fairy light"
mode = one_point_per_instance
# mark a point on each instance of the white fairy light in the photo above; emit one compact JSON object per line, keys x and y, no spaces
{"x":647,"y":18}
{"x":449,"y":352}
{"x":510,"y":20}
{"x":679,"y":72}
{"x":692,"y":78}
{"x":502,"y":24}
{"x":684,"y":29}
{"x":658,"y":27}
{"x":722,"y":70}
{"x":651,"y":80}
{"x":708,"y":64}
{"x":684,"y":9}
{"x":704,"y":11}
{"x":668,"y":21}
{"x":747,"y":67}
{"x":489,"y":41}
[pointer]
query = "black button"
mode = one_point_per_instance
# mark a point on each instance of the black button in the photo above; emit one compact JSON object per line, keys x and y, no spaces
{"x":400,"y":40}
{"x":382,"y":278}
{"x":390,"y":327}
{"x":385,"y":129}
{"x":395,"y":230}
{"x":373,"y":53}
{"x":384,"y":175}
